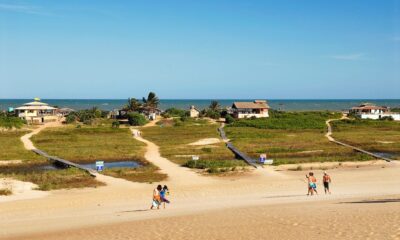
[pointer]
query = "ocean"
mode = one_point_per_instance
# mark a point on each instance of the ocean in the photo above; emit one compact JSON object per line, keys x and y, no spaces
{"x":282,"y":104}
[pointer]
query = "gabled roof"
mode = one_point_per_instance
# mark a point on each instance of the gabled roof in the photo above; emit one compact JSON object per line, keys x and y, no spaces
{"x":251,"y":105}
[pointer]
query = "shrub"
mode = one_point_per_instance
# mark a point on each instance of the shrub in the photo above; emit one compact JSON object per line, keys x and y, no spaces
{"x":10,"y":122}
{"x":115,"y":124}
{"x":136,"y":119}
{"x":175,"y":112}
{"x":212,"y":114}
{"x":229,"y":119}
{"x":5,"y":192}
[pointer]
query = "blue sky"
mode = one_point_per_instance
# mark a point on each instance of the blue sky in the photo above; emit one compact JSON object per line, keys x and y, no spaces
{"x":200,"y":49}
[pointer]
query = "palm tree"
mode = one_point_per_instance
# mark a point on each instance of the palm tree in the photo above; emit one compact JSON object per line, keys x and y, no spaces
{"x":214,"y":105}
{"x":151,"y":102}
{"x":133,"y":105}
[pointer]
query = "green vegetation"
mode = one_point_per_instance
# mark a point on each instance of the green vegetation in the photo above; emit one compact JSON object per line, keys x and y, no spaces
{"x":90,"y":143}
{"x":136,"y":119}
{"x":11,"y":147}
{"x":49,"y":179}
{"x":175,"y":136}
{"x":371,"y":135}
{"x":395,"y":109}
{"x":87,"y":116}
{"x":175,"y":112}
{"x":10,"y":122}
{"x":290,"y":138}
{"x":5,"y":192}
{"x":289,"y":120}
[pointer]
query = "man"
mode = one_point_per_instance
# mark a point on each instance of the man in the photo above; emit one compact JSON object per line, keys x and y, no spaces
{"x":326,"y":179}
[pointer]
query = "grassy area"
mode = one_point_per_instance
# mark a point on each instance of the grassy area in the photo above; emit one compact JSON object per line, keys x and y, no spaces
{"x":11,"y":147}
{"x":174,"y":137}
{"x":371,"y":135}
{"x":49,"y":179}
{"x":90,"y":143}
{"x":87,"y":144}
{"x":289,"y":120}
{"x":298,"y":138}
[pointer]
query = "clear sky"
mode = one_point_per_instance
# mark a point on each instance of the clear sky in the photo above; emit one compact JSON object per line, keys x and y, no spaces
{"x":200,"y":49}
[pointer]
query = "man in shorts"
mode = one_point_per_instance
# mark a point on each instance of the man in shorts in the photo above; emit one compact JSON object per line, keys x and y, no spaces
{"x":326,"y":179}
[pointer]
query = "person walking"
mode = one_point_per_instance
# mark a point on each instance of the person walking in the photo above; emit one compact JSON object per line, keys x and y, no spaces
{"x":311,"y":184}
{"x":326,"y":179}
{"x":163,"y":193}
{"x":156,"y":197}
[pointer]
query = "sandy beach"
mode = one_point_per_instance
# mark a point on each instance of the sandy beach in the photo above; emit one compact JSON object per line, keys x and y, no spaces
{"x":364,"y":204}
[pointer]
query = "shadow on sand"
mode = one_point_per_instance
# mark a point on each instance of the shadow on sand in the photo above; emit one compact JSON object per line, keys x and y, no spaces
{"x":373,"y":201}
{"x":137,"y":210}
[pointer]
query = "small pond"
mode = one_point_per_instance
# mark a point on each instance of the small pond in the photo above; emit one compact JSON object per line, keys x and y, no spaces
{"x":121,"y":164}
{"x":385,"y":154}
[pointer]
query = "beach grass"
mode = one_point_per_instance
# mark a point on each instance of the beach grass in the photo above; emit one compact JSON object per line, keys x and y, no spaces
{"x":371,"y":135}
{"x":290,"y":138}
{"x":11,"y":147}
{"x":174,"y":138}
{"x":49,"y":179}
{"x":86,"y":144}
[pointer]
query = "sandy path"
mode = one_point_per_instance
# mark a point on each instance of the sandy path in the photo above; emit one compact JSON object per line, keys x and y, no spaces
{"x":176,"y":174}
{"x":26,"y":139}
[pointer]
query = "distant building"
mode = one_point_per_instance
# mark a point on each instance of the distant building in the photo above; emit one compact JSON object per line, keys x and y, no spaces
{"x":258,"y":109}
{"x":37,"y":112}
{"x":371,"y":111}
{"x":194,"y":112}
{"x":64,"y":111}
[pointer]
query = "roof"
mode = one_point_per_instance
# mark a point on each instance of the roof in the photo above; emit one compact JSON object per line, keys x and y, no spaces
{"x":35,"y":103}
{"x":35,"y":108}
{"x":368,"y":106}
{"x":251,"y":105}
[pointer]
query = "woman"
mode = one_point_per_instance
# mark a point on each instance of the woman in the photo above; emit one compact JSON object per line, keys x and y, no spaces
{"x":156,"y":197}
{"x":164,"y":192}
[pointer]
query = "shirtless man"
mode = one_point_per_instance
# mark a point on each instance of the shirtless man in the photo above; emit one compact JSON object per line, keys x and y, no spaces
{"x":326,"y":179}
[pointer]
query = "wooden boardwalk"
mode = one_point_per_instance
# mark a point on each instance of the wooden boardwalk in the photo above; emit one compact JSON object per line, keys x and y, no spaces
{"x":64,"y":162}
{"x":237,"y":152}
{"x":330,"y":138}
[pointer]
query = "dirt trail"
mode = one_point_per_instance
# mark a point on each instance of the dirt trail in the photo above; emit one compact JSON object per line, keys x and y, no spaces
{"x":26,"y":139}
{"x":176,"y":174}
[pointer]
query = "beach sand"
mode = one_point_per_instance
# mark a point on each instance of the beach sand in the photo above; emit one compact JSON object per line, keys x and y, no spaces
{"x":257,"y":205}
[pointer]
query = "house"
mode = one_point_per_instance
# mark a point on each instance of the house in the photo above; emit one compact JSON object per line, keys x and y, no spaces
{"x":257,"y":108}
{"x":37,"y":112}
{"x":194,"y":112}
{"x":371,"y":111}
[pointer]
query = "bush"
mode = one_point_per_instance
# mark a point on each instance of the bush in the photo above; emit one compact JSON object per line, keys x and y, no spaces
{"x":115,"y":124}
{"x":229,"y":119}
{"x":175,"y":112}
{"x":10,"y":122}
{"x":70,"y":118}
{"x":212,"y":114}
{"x":207,"y":164}
{"x":136,"y":119}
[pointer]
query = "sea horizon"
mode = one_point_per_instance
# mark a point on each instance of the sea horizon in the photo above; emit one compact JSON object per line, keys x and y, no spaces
{"x":281,"y":104}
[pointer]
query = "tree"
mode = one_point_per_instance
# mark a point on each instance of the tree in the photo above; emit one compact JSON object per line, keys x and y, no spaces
{"x":151,"y":102}
{"x":133,"y":105}
{"x":214,"y":105}
{"x":136,"y":119}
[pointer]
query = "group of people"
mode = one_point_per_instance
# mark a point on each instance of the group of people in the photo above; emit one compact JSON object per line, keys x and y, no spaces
{"x":159,"y":196}
{"x":312,"y":183}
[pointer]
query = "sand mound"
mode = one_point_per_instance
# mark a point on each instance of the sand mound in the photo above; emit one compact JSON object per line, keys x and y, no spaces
{"x":205,"y":141}
{"x":384,"y":142}
{"x":20,"y":190}
{"x":9,"y":162}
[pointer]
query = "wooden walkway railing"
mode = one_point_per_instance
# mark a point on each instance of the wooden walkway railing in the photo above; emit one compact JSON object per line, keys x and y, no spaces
{"x":64,"y":162}
{"x":237,"y":152}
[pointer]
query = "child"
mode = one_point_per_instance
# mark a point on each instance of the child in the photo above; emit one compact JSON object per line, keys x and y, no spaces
{"x":164,"y":192}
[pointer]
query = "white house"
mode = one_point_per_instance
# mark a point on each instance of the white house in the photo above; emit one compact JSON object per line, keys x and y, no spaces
{"x":371,"y":111}
{"x":194,"y":112}
{"x":37,"y":112}
{"x":258,"y":109}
